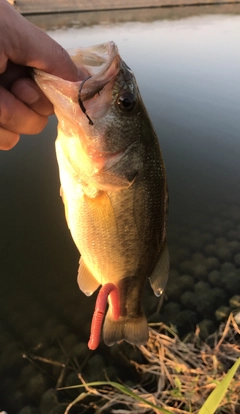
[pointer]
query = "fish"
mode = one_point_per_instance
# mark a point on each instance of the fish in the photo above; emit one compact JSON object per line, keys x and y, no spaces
{"x":113,"y":184}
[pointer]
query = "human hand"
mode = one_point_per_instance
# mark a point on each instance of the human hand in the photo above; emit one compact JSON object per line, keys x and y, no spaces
{"x":24,"y":109}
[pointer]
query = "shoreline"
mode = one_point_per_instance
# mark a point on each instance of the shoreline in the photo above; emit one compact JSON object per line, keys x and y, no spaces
{"x":53,"y":21}
{"x":31,"y":7}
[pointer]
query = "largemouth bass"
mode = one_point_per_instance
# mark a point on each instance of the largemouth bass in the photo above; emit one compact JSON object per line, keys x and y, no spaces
{"x":113,"y":184}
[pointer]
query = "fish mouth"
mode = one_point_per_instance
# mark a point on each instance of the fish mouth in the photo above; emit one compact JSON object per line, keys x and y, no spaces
{"x":98,"y":63}
{"x":102,"y":63}
{"x":87,"y":101}
{"x":73,"y":101}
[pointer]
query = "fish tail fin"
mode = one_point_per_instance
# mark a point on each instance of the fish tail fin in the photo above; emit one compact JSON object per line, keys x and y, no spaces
{"x":132,"y":330}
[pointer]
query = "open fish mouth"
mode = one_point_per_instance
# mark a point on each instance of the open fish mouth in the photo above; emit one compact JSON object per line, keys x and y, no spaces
{"x":97,"y":61}
{"x":100,"y":64}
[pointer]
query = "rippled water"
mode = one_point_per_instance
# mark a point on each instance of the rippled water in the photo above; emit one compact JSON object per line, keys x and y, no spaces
{"x":188,"y":71}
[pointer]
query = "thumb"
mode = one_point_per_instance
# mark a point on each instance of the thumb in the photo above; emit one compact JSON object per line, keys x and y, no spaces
{"x":27,"y":45}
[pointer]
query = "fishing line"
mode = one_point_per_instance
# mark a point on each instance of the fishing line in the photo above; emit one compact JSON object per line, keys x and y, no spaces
{"x":81,"y":102}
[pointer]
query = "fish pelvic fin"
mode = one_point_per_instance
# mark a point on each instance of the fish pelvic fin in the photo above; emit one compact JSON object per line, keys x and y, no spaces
{"x":86,"y":281}
{"x":132,"y":330}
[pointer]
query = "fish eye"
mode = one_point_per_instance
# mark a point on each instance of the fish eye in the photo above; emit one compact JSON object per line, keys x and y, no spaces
{"x":126,"y":102}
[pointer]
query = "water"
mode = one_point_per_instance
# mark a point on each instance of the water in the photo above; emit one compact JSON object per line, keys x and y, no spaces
{"x":188,"y":71}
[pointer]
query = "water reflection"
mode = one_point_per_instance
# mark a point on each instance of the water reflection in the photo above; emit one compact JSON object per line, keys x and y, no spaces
{"x":188,"y":71}
{"x":79,"y":20}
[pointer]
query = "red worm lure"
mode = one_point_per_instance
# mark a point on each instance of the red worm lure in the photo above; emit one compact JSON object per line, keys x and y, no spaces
{"x":106,"y":290}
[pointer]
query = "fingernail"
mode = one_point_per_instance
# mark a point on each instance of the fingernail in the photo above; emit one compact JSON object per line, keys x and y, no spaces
{"x":30,"y":95}
{"x":25,"y":92}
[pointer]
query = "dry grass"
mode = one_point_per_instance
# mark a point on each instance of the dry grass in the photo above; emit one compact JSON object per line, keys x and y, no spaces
{"x":177,"y":376}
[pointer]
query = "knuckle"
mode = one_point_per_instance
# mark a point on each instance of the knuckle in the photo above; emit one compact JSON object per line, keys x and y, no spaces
{"x":8,"y":139}
{"x":7,"y":108}
{"x":6,"y":116}
{"x":62,"y":52}
{"x":18,"y":118}
{"x":39,"y":124}
{"x":43,"y":108}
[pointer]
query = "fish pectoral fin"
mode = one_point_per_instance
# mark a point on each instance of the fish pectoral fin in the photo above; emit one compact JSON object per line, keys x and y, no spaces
{"x":101,"y":211}
{"x":108,"y":181}
{"x":86,"y":281}
{"x":64,"y":200}
{"x":159,"y":276}
{"x":121,"y":170}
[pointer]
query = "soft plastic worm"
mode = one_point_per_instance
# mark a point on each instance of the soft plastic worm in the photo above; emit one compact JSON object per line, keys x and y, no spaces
{"x":106,"y":290}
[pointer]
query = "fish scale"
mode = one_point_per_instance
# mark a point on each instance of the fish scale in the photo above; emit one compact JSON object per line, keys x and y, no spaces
{"x":113,"y":184}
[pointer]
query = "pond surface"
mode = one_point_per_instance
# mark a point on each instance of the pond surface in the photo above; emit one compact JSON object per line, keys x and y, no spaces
{"x":188,"y":71}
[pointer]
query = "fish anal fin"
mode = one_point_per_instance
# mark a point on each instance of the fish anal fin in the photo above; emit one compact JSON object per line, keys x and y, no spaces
{"x":132,"y":330}
{"x":86,"y":281}
{"x":159,"y":276}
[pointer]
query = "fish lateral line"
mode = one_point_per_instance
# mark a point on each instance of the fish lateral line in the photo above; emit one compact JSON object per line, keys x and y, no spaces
{"x":81,"y":102}
{"x":108,"y":290}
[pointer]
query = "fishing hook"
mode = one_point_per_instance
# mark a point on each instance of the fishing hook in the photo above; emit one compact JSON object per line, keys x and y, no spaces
{"x":81,"y":102}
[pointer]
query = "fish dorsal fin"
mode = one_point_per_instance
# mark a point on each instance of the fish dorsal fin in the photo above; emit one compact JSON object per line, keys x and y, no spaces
{"x":159,"y":276}
{"x":86,"y":281}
